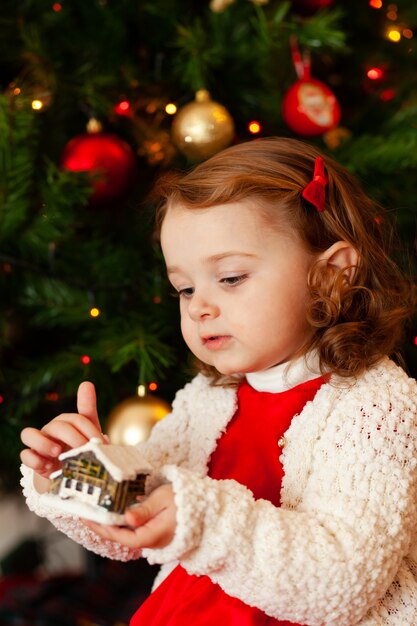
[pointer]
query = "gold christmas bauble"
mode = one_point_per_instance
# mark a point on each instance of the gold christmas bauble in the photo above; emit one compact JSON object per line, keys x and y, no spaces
{"x":131,"y":421}
{"x":202,"y":127}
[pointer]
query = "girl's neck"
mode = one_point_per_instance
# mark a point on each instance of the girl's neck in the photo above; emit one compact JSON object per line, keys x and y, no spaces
{"x":286,"y":375}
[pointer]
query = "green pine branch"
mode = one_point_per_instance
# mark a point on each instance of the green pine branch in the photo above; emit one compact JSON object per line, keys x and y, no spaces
{"x":19,"y":135}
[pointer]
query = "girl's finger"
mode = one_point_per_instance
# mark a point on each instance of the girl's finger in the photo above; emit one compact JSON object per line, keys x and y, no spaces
{"x":156,"y":532}
{"x":38,"y":463}
{"x":87,"y":403}
{"x":72,"y":429}
{"x":123,"y":535}
{"x":43,"y":445}
{"x":83,"y":424}
{"x":152,"y":536}
{"x":65,"y":433}
{"x":160,"y":501}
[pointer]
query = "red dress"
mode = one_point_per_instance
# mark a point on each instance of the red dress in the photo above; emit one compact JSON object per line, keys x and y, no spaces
{"x":249,"y":453}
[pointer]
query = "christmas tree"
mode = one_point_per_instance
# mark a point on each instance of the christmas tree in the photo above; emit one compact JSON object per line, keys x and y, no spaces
{"x":98,"y":99}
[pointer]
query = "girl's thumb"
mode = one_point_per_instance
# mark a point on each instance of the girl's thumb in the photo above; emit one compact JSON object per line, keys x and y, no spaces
{"x":139,"y":515}
{"x":87,"y":402}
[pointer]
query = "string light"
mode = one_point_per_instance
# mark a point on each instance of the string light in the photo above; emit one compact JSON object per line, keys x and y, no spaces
{"x":52,"y":396}
{"x":85,"y":359}
{"x":157,"y":299}
{"x":40,"y":98}
{"x":141,"y":391}
{"x":94,"y":311}
{"x":153,"y":386}
{"x":375,"y":4}
{"x":415,"y":341}
{"x":171,"y":108}
{"x":57,"y":7}
{"x":387,"y":94}
{"x":394,"y":35}
{"x":1,"y":399}
{"x":254,"y":127}
{"x":375,"y":73}
{"x":123,"y":108}
{"x":408,"y":33}
{"x":151,"y":108}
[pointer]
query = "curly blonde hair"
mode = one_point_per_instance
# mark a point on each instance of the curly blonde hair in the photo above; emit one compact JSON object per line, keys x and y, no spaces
{"x":355,"y":322}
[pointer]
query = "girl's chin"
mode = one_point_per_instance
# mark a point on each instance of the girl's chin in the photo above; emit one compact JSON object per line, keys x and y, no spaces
{"x":223,"y":370}
{"x":230,"y":371}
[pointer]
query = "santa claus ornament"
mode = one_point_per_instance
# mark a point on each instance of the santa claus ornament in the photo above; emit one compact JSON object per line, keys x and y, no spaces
{"x":309,"y":107}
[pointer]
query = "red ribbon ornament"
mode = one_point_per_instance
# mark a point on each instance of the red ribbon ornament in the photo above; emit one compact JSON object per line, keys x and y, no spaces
{"x":315,"y":191}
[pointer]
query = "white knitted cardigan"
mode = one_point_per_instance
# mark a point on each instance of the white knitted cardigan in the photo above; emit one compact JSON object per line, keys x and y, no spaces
{"x":341,"y":550}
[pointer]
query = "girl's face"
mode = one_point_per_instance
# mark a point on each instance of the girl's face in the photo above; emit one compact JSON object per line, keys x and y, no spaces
{"x":242,"y":286}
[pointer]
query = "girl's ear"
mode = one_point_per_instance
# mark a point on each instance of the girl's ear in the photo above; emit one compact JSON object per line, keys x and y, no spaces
{"x":341,"y":256}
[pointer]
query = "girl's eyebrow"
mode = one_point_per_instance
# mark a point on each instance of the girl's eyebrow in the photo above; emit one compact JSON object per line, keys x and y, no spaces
{"x":174,"y":269}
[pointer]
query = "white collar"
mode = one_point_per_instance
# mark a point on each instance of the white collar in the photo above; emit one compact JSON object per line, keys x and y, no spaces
{"x":286,"y":375}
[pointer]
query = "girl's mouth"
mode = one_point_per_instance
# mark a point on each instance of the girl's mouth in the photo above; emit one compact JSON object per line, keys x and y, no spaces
{"x":216,"y":342}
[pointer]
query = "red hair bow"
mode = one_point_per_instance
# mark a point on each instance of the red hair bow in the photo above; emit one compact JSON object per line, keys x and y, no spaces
{"x":315,"y":191}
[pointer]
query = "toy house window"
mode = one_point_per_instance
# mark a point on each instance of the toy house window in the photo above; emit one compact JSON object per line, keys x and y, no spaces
{"x":97,"y":470}
{"x":68,"y":483}
{"x":79,"y":486}
{"x":90,"y":489}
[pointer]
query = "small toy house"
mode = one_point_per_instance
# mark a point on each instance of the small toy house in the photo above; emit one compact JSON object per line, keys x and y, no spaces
{"x":99,"y":481}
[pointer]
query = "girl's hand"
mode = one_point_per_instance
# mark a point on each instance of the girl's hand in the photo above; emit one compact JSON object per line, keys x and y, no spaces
{"x":68,"y":430}
{"x":151,"y":524}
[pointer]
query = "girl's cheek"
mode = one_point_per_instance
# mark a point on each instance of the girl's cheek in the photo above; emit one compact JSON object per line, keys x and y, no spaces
{"x":185,"y":330}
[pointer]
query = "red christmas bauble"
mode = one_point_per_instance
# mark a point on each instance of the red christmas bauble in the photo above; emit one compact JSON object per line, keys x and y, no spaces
{"x":109,"y":160}
{"x":310,"y":108}
{"x":308,"y":7}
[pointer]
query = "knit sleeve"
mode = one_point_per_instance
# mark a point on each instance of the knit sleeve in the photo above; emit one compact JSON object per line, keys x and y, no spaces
{"x":168,"y":443}
{"x":331,"y":558}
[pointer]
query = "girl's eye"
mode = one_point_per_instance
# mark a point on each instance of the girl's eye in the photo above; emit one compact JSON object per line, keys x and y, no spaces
{"x":185,"y":293}
{"x":233,"y":280}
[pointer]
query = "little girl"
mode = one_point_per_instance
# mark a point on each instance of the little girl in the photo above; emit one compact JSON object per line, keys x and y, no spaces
{"x":284,"y":484}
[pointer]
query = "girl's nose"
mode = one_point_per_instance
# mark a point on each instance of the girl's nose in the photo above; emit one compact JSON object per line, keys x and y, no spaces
{"x":200,"y":307}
